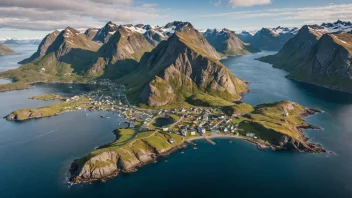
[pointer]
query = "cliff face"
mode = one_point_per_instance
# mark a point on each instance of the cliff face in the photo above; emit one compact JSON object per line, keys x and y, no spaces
{"x":43,"y":47}
{"x":5,"y":50}
{"x":109,"y":162}
{"x":182,"y":66}
{"x":226,"y":42}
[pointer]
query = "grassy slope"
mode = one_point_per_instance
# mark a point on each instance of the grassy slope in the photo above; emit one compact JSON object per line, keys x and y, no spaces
{"x":47,"y":97}
{"x":51,"y":110}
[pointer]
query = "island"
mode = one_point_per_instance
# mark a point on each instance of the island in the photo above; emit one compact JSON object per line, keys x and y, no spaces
{"x":276,"y":126}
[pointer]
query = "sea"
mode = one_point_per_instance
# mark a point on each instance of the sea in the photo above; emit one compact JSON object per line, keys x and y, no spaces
{"x":35,"y":155}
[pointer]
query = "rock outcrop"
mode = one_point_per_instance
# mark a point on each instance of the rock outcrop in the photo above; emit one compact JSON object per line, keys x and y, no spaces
{"x":227,"y":43}
{"x":109,"y":162}
{"x":5,"y":50}
{"x":181,"y":66}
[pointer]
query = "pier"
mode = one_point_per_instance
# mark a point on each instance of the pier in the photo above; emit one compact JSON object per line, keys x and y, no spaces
{"x":209,"y":140}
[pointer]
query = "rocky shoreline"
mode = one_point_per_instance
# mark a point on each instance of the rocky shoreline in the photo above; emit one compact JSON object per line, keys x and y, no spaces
{"x":76,"y":175}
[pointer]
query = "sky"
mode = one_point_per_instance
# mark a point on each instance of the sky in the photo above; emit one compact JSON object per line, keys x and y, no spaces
{"x":36,"y":18}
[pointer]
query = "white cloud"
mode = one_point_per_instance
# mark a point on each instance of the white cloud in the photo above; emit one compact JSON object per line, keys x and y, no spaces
{"x":247,"y":3}
{"x":306,"y":14}
{"x":49,"y":15}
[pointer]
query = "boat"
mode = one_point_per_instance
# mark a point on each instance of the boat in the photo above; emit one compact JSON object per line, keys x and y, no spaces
{"x":87,"y":115}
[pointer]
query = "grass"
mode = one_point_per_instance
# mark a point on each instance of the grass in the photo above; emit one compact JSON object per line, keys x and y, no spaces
{"x":205,"y":100}
{"x":14,"y":86}
{"x":241,"y":108}
{"x":269,"y":123}
{"x":47,"y":97}
{"x":123,"y":136}
{"x":51,"y":110}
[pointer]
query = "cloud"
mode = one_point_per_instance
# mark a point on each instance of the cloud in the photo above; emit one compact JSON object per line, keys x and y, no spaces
{"x":248,"y":3}
{"x":303,"y":15}
{"x":49,"y":15}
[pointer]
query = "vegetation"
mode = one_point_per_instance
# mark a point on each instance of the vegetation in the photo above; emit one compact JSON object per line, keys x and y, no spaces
{"x":270,"y":121}
{"x":206,"y":100}
{"x":47,"y":111}
{"x":239,"y":108}
{"x":47,"y":97}
{"x":14,"y":86}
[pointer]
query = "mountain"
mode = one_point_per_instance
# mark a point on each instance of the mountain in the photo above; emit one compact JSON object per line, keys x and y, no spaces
{"x":5,"y":50}
{"x":246,"y":36}
{"x":181,"y":67}
{"x":316,"y":57}
{"x":22,"y":41}
{"x":43,"y":47}
{"x":296,"y":49}
{"x":91,"y":33}
{"x":328,"y":64}
{"x":104,"y":34}
{"x":338,"y":27}
{"x":154,"y":37}
{"x":271,"y":39}
{"x":121,"y":53}
{"x":68,"y":54}
{"x":227,"y":43}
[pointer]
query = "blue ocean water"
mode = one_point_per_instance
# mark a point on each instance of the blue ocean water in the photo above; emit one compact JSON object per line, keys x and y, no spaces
{"x":35,"y":155}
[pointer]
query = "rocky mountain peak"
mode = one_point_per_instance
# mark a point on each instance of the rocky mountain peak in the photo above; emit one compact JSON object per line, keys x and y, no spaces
{"x":104,"y":34}
{"x":125,"y":44}
{"x":171,"y":24}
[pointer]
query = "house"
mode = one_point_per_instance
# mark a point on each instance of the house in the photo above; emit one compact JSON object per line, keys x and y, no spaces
{"x":250,"y":134}
{"x":226,"y":130}
{"x":184,"y":132}
{"x":201,"y":130}
{"x":171,"y":141}
{"x":213,"y":129}
{"x":165,"y":129}
{"x":193,"y":132}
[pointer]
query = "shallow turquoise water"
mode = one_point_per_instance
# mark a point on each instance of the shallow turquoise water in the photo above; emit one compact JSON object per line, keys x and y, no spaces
{"x":35,"y":155}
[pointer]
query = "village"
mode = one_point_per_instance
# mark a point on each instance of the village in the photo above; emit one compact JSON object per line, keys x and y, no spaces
{"x":191,"y":122}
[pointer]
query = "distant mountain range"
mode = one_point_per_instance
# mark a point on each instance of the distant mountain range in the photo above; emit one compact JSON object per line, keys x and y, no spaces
{"x":227,"y":43}
{"x":269,"y":38}
{"x":21,"y":41}
{"x":318,"y":54}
